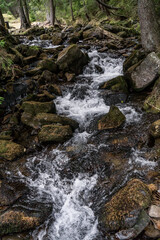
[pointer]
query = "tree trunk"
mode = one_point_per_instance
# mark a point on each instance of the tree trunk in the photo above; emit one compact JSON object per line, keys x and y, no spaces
{"x":26,"y":12}
{"x":24,"y":22}
{"x":72,"y":10}
{"x":13,"y":8}
{"x":2,"y":19}
{"x":150,"y":34}
{"x":52,"y":12}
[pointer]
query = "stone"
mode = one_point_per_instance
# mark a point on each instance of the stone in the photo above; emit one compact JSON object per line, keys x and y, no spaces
{"x":154,"y":129}
{"x":70,"y":77}
{"x":154,"y":211}
{"x":131,"y":233}
{"x":55,"y":133}
{"x":145,"y":73}
{"x":29,"y":60}
{"x":72,"y":59}
{"x":48,"y":118}
{"x":45,"y":37}
{"x":117,"y":84}
{"x":10,"y":150}
{"x":34,"y":108}
{"x":56,"y":39}
{"x":135,"y":57}
{"x":21,"y":217}
{"x":10,"y":192}
{"x":54,"y":88}
{"x":113,"y":119}
{"x":151,"y":232}
{"x":19,"y":236}
{"x":47,"y":77}
{"x":125,"y":207}
{"x":152,"y":102}
{"x":48,"y":64}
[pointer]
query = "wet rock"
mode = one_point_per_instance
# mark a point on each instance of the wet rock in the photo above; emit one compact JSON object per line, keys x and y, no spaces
{"x":45,"y":37}
{"x":55,"y":133}
{"x":93,"y":33}
{"x":131,"y":233}
{"x":145,"y":73}
{"x":113,"y":119}
{"x":154,"y":211}
{"x":34,"y":31}
{"x":34,"y":72}
{"x":49,"y":65}
{"x":19,"y":236}
{"x":29,"y":60}
{"x":134,"y":58}
{"x":152,"y":102}
{"x":6,"y":135}
{"x":54,"y":88}
{"x":48,"y":118}
{"x":10,"y":150}
{"x":117,"y":84}
{"x":28,"y":51}
{"x":124,"y":209}
{"x":23,"y":218}
{"x":70,"y":77}
{"x":34,"y":108}
{"x":151,"y":232}
{"x":47,"y":77}
{"x":10,"y":192}
{"x":57,"y":39}
{"x":45,"y":96}
{"x":154,"y":129}
{"x":72,"y":59}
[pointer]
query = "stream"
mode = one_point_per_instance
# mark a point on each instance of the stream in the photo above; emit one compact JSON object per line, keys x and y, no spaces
{"x":74,"y":177}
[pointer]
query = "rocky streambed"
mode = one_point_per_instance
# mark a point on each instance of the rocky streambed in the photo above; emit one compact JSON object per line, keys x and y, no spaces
{"x":79,"y":158}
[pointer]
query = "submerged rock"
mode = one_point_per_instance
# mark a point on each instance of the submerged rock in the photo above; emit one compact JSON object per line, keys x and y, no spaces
{"x":152,"y":103}
{"x":145,"y":73}
{"x":124,"y":209}
{"x":10,"y":150}
{"x":113,"y":119}
{"x":72,"y":59}
{"x":55,"y":133}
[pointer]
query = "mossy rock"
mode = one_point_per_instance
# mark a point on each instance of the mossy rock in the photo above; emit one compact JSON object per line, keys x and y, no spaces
{"x":54,"y":88}
{"x":113,"y":119}
{"x":152,"y":102}
{"x":117,"y":84}
{"x":55,"y":133}
{"x":48,"y":64}
{"x":72,"y":59}
{"x":38,"y":107}
{"x":19,"y":236}
{"x":10,"y":150}
{"x":123,"y":210}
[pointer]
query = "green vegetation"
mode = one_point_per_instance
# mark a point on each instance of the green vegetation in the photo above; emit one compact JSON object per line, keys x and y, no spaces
{"x":2,"y":43}
{"x":1,"y":100}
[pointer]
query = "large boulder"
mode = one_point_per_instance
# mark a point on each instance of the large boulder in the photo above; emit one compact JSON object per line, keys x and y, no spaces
{"x":55,"y":133}
{"x":145,"y":73}
{"x":135,"y":57}
{"x":10,"y":150}
{"x":124,"y":209}
{"x":113,"y":119}
{"x":152,"y":102}
{"x":72,"y":59}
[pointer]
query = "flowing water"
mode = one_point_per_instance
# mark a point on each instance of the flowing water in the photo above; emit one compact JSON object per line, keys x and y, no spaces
{"x":70,"y":176}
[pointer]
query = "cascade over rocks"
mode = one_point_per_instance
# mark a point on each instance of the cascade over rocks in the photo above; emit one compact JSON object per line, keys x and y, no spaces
{"x":72,"y":59}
